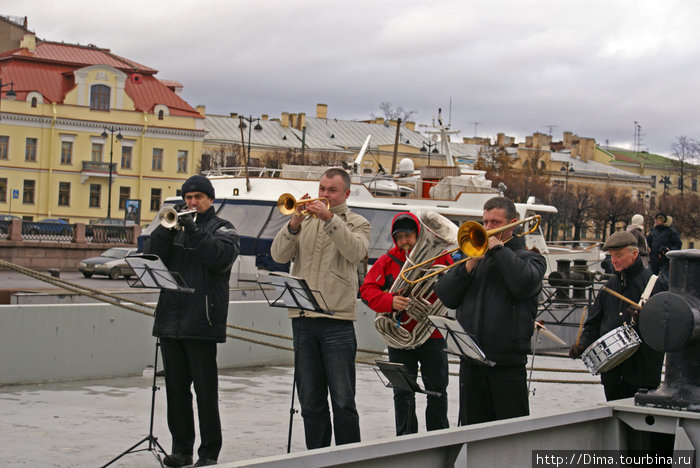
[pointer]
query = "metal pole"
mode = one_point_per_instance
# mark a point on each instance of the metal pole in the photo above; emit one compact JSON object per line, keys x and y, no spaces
{"x":109,"y":190}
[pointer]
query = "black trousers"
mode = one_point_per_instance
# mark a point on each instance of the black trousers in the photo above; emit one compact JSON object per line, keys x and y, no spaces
{"x":491,"y":393}
{"x":190,"y":362}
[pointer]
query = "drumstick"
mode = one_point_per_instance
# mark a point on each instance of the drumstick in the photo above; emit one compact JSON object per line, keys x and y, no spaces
{"x":622,"y":298}
{"x":580,"y":325}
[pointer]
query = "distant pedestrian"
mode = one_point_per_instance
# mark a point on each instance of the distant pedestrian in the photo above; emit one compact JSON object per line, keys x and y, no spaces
{"x":660,"y":240}
{"x":636,"y":227}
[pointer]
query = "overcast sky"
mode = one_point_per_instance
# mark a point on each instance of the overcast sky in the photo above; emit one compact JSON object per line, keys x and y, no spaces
{"x":592,"y":67}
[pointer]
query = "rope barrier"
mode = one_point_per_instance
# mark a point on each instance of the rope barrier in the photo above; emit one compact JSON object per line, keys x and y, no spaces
{"x":147,"y":309}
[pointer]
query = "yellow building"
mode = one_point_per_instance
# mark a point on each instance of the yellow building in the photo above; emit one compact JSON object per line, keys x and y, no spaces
{"x":83,"y":130}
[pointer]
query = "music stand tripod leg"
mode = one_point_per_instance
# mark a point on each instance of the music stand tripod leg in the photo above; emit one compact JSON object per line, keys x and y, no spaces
{"x":292,"y":411}
{"x":153,"y":444}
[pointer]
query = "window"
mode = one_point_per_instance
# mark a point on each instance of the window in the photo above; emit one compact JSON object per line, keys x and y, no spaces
{"x":3,"y":189}
{"x":99,"y":97}
{"x":653,"y":181}
{"x":28,"y":192}
{"x":160,"y":115}
{"x":124,"y":195}
{"x":34,"y":101}
{"x":95,"y":191}
{"x":157,"y":164}
{"x":182,"y":161}
{"x":97,"y":151}
{"x":126,"y":157}
{"x":64,"y":193}
{"x":694,"y":185}
{"x":66,"y":152}
{"x":30,"y":149}
{"x":4,"y":145}
{"x":155,"y":199}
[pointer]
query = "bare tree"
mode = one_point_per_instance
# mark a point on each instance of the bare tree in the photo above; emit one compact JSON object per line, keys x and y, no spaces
{"x":684,"y":210}
{"x":686,"y":151}
{"x":394,"y":114}
{"x":610,"y":206}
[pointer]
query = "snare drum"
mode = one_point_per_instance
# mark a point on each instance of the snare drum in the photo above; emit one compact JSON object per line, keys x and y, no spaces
{"x":611,"y":349}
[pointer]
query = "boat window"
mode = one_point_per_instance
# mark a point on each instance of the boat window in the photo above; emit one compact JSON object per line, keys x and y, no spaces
{"x":380,"y":220}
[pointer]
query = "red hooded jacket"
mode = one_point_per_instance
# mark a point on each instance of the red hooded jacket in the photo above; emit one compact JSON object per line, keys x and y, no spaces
{"x":374,"y":290}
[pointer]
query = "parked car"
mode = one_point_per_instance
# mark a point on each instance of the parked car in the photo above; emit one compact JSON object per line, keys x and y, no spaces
{"x":5,"y":222}
{"x":48,"y":226}
{"x":111,"y":263}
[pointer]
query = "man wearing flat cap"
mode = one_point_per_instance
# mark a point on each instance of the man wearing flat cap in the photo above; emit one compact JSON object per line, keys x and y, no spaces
{"x":643,"y":368}
{"x":201,"y":249}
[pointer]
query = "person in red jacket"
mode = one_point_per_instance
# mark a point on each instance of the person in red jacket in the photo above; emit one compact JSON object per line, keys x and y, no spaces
{"x":431,"y":355}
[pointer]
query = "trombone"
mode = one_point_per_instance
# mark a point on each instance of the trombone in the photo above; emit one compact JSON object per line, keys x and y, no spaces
{"x":473,"y":241}
{"x":287,"y":204}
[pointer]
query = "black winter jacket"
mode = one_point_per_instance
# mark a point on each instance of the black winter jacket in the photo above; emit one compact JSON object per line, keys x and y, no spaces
{"x":497,"y":302}
{"x":643,"y":368}
{"x":204,"y":261}
{"x":659,"y":240}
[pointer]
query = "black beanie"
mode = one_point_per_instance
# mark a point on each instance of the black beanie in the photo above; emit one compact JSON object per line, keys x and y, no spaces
{"x":198,"y":183}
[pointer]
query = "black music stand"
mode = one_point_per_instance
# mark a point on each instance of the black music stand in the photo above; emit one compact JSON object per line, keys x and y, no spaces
{"x":151,"y":272}
{"x":292,"y":292}
{"x":400,"y":378}
{"x":458,"y":341}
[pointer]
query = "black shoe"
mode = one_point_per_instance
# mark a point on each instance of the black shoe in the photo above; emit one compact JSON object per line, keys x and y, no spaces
{"x":205,"y":462}
{"x":177,"y":459}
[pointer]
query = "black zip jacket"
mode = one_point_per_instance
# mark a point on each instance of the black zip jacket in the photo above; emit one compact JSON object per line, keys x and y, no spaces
{"x":643,"y":368}
{"x":497,"y":302}
{"x":203,"y":259}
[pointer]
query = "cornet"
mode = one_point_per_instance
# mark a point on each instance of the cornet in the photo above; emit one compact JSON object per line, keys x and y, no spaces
{"x":170,"y":218}
{"x":287,"y":204}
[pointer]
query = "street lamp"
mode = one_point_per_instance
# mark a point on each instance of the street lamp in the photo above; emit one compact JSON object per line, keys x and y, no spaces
{"x":567,"y":167}
{"x":10,"y":93}
{"x":431,"y":145}
{"x":257,"y":127}
{"x":111,"y":130}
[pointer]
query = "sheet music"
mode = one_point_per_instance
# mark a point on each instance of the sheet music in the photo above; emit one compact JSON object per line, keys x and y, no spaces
{"x":458,"y":341}
{"x":152,"y":272}
{"x":284,"y":284}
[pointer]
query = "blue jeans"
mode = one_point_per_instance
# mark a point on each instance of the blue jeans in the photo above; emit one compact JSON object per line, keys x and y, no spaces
{"x":325,"y":362}
{"x":434,"y":372}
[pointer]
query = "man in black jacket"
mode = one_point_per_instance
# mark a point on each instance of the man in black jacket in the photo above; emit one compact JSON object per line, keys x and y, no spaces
{"x":660,"y":240}
{"x":190,"y":325}
{"x":496,"y":300}
{"x":643,"y":368}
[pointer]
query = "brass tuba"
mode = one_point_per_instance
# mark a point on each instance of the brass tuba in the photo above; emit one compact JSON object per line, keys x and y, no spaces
{"x":436,"y":234}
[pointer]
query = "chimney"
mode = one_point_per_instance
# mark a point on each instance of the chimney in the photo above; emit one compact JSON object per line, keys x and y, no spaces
{"x":233,"y":115}
{"x":285,"y":119}
{"x":568,"y":138}
{"x":321,"y":111}
{"x":293,"y":120}
{"x":202,"y":110}
{"x":411,"y":126}
{"x":28,"y":42}
{"x":379,"y":120}
{"x":500,"y":140}
{"x":264,"y":117}
{"x":301,"y":121}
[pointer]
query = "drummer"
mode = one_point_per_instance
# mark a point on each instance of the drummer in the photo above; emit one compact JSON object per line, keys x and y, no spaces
{"x":643,"y":368}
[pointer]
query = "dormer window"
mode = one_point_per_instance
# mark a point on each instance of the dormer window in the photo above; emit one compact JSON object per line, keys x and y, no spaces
{"x":160,"y":115}
{"x":34,"y":102}
{"x":99,"y":97}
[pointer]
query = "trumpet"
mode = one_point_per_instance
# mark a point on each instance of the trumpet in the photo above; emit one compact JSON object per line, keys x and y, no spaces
{"x":473,"y":241}
{"x":169,"y":217}
{"x":287,"y":204}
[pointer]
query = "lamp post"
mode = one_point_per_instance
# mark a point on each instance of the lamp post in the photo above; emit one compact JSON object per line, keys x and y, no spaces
{"x":111,"y":130}
{"x":10,"y":93}
{"x":431,"y":148}
{"x":567,"y":167}
{"x":258,"y":127}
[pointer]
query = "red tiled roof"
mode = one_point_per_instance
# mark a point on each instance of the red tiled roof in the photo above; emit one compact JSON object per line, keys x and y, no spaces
{"x":624,"y":158}
{"x":49,"y":71}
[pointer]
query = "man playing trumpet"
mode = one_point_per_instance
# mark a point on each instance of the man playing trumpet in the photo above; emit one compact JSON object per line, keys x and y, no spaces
{"x":430,"y":354}
{"x":327,"y":247}
{"x":496,"y":300}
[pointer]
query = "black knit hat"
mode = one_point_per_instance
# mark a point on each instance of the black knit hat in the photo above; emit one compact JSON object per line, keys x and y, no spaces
{"x":404,"y":223}
{"x":198,"y":183}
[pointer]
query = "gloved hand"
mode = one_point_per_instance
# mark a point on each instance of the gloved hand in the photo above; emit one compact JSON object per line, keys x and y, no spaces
{"x":576,"y":350}
{"x":187,"y":223}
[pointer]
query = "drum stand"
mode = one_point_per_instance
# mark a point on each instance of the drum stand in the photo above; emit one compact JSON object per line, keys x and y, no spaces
{"x":153,"y":445}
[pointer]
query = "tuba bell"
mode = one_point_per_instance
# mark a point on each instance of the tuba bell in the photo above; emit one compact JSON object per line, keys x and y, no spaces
{"x":436,"y":234}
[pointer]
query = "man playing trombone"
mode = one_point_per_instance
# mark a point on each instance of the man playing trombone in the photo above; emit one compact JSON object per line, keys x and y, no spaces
{"x":495,"y":295}
{"x":327,"y":246}
{"x":375,"y":292}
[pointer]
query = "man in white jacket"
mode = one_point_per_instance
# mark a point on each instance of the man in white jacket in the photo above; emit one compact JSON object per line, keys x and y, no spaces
{"x":326,"y":247}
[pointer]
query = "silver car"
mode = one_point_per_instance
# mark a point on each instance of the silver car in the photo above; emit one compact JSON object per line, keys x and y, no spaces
{"x":110,"y":263}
